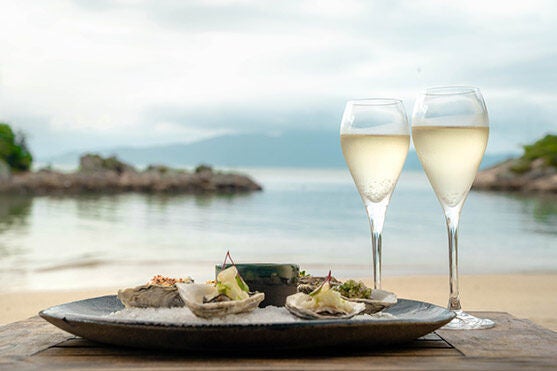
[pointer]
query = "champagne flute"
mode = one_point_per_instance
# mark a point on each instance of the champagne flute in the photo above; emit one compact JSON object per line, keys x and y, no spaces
{"x":450,"y":127}
{"x":375,"y":137}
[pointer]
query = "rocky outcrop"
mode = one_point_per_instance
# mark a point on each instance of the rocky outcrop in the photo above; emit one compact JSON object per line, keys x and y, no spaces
{"x":110,"y":175}
{"x":512,"y":176}
{"x":91,"y":163}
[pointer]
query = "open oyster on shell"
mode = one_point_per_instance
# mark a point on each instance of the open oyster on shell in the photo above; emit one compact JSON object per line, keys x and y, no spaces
{"x":375,"y":300}
{"x":322,"y":303}
{"x":229,"y":295}
{"x":308,"y":284}
{"x":205,"y":301}
{"x":160,"y":292}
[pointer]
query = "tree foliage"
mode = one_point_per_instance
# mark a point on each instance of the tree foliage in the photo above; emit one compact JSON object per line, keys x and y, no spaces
{"x":545,"y":148}
{"x":14,"y":150}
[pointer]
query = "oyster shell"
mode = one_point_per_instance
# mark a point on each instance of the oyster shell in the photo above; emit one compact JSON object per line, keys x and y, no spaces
{"x":160,"y":292}
{"x":151,"y":296}
{"x":199,"y":298}
{"x":379,"y":300}
{"x":296,"y":305}
{"x":307,"y":284}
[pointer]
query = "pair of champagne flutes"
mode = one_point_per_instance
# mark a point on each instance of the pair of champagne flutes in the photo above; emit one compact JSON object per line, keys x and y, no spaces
{"x":450,"y":128}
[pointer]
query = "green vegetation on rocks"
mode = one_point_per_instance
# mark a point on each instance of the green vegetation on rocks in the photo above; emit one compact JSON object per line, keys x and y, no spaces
{"x":203,"y":168}
{"x":544,"y":149}
{"x":13,"y":149}
{"x":94,"y":163}
{"x":534,"y":171}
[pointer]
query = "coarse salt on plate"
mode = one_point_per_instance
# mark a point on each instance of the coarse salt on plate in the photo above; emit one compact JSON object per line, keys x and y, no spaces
{"x":184,"y":316}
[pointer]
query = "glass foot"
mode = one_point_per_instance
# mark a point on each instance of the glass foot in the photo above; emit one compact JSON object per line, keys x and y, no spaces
{"x":465,"y":321}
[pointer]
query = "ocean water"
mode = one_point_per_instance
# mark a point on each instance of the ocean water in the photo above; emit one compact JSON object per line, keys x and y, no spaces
{"x":312,"y":217}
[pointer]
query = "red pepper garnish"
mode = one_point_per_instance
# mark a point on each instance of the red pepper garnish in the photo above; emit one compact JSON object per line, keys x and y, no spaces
{"x":227,"y":257}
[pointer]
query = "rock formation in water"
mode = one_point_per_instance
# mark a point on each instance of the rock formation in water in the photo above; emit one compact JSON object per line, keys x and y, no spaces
{"x":110,"y":175}
{"x":502,"y":178}
{"x":535,"y":171}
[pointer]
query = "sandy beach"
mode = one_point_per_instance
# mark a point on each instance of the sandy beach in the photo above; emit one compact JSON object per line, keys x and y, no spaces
{"x":531,"y":296}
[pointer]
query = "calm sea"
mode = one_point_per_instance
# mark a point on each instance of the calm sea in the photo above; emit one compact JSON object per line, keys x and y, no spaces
{"x":311,"y":217}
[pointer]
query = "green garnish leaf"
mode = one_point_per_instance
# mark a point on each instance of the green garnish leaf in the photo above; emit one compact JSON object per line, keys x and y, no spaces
{"x":243,"y":286}
{"x":354,"y":290}
{"x":222,"y":288}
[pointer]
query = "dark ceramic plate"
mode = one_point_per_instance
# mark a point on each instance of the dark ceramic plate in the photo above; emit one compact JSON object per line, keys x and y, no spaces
{"x":85,"y":318}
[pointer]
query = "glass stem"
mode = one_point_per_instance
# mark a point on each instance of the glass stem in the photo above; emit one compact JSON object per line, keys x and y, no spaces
{"x":376,"y":213}
{"x":452,"y":216}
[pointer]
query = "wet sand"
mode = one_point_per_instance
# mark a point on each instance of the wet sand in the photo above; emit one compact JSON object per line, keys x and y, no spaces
{"x":531,"y":296}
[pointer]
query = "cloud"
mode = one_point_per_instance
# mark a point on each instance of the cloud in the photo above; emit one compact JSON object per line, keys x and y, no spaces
{"x":246,"y":117}
{"x":76,"y":73}
{"x":537,"y":74}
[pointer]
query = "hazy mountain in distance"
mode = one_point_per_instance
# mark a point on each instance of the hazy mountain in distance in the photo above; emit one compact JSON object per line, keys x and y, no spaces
{"x":290,"y":149}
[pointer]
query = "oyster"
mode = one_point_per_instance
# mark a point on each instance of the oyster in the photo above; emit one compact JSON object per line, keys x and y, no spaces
{"x":160,"y":292}
{"x":375,"y":300}
{"x":323,"y":303}
{"x":379,"y":300}
{"x":205,"y":301}
{"x":229,"y":295}
{"x":307,"y":284}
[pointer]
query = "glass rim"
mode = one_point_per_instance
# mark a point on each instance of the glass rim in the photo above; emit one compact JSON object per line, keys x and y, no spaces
{"x":450,"y":90}
{"x":375,"y":102}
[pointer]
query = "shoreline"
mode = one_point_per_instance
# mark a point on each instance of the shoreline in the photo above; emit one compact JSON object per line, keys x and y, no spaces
{"x":522,"y":295}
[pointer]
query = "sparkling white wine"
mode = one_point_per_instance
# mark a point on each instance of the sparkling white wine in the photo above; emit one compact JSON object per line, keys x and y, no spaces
{"x":450,"y":156}
{"x":375,"y":162}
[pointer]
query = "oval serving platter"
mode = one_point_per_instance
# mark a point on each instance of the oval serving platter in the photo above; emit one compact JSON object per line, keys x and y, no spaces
{"x":86,"y":318}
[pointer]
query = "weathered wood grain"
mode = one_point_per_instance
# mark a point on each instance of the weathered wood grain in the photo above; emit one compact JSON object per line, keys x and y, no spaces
{"x":24,"y":338}
{"x":511,"y":337}
{"x":322,"y":364}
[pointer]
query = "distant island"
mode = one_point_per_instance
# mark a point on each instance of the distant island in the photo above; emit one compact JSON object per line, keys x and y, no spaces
{"x":534,"y":171}
{"x":97,"y":174}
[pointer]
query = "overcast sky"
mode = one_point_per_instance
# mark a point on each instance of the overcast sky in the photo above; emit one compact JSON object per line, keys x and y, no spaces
{"x":96,"y":74}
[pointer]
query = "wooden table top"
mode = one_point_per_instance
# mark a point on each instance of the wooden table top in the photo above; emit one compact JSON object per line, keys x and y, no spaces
{"x":513,"y":344}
